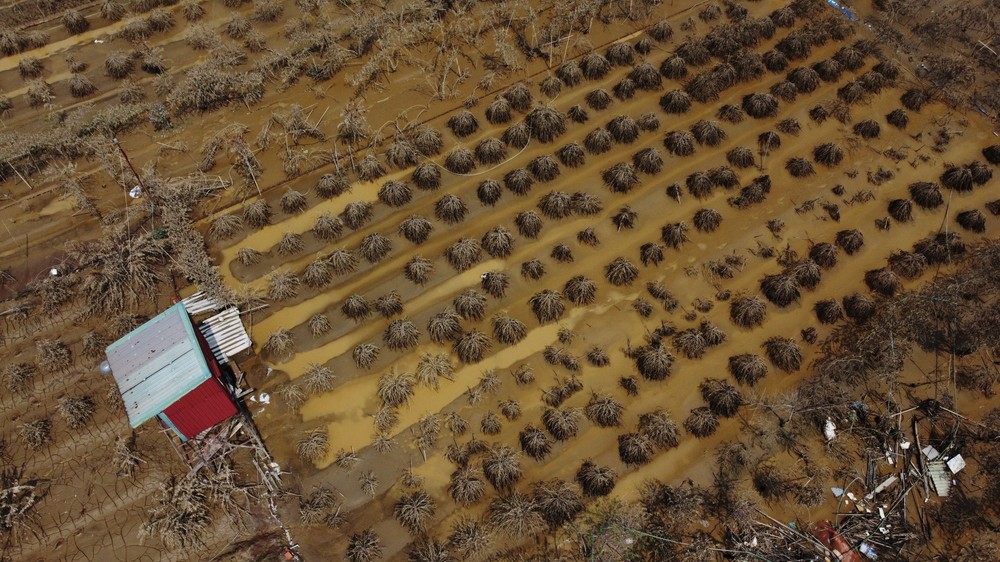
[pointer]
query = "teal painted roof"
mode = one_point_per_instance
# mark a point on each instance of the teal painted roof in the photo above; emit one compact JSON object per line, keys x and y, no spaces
{"x":157,"y":363}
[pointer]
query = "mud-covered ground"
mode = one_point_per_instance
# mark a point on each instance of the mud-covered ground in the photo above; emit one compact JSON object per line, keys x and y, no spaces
{"x":635,"y":196}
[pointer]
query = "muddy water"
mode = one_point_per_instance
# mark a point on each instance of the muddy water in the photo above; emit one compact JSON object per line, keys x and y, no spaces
{"x":609,"y":323}
{"x":746,"y":225}
{"x":302,"y":313}
{"x":350,"y":407}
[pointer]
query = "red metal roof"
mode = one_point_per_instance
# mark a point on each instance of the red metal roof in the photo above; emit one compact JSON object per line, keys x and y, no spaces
{"x":200,"y":409}
{"x":208,"y":404}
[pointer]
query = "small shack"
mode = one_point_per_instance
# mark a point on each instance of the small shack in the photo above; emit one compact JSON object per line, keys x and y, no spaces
{"x":171,"y":369}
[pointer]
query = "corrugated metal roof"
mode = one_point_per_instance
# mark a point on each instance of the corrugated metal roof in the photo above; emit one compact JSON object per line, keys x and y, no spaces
{"x":225,"y":334}
{"x":200,"y":409}
{"x":157,"y":363}
{"x":938,"y":471}
{"x":200,"y":302}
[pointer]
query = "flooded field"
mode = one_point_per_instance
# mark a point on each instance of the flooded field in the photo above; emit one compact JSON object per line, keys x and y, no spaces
{"x":511,"y":269}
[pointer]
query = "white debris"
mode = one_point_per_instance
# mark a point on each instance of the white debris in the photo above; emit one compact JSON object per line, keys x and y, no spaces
{"x":956,"y":464}
{"x":265,"y":398}
{"x":829,"y":430}
{"x":930,"y":452}
{"x":905,"y":445}
{"x":885,"y":484}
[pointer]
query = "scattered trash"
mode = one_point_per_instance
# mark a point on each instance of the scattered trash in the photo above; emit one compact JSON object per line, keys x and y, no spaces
{"x":837,"y":491}
{"x":843,"y":9}
{"x":265,"y":398}
{"x":829,"y":430}
{"x":54,"y":272}
{"x":930,"y":452}
{"x":956,"y":463}
{"x":135,"y":192}
{"x":892,"y":479}
{"x":832,"y":540}
{"x":868,"y":550}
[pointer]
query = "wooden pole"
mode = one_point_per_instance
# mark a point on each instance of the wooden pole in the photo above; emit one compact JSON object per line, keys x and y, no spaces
{"x":129,"y":162}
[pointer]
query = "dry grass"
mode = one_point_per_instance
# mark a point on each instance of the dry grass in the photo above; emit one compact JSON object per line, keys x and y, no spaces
{"x":502,"y":468}
{"x":470,"y":537}
{"x":635,"y":449}
{"x":126,"y":457}
{"x":783,"y":353}
{"x":558,"y":501}
{"x":76,"y":411}
{"x":444,"y":327}
{"x":181,"y":516}
{"x":596,"y":480}
{"x":395,"y":388}
{"x":75,"y":22}
{"x":654,"y":362}
{"x":659,"y":429}
{"x":414,"y":511}
{"x":562,"y":424}
{"x":292,"y":395}
{"x":534,"y":442}
{"x":318,"y":379}
{"x":432,"y":367}
{"x":365,"y":355}
{"x":18,"y":376}
{"x":36,"y":433}
{"x":365,"y":546}
{"x":314,"y":446}
{"x":508,"y":330}
{"x":547,"y":306}
{"x":467,"y":487}
{"x":604,"y":411}
{"x":472,"y":346}
{"x":515,"y":515}
{"x":225,"y":227}
{"x":279,"y":345}
{"x":401,"y":335}
{"x":53,"y":355}
{"x":702,"y":422}
{"x":723,"y":398}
